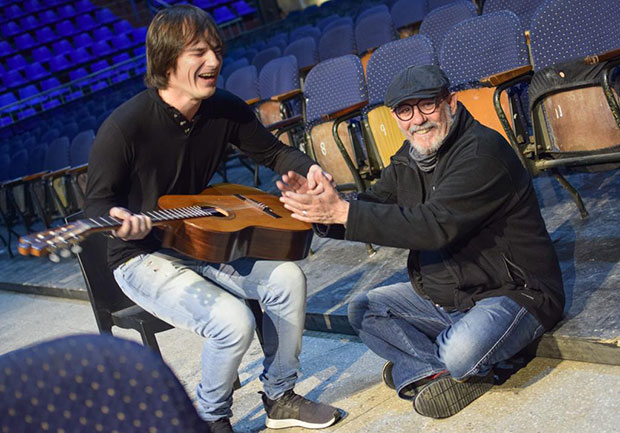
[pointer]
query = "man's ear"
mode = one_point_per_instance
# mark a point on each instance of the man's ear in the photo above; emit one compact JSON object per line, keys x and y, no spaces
{"x":453,"y":102}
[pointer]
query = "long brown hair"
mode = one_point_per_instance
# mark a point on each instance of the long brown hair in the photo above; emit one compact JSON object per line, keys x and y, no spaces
{"x":171,"y":30}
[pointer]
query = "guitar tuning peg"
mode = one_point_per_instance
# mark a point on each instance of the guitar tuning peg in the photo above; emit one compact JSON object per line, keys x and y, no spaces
{"x":54,"y":257}
{"x":65,"y":253}
{"x":76,"y":249}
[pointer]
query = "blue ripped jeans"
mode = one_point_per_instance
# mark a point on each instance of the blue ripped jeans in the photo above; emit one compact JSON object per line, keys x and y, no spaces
{"x":208,"y":300}
{"x":422,"y":339}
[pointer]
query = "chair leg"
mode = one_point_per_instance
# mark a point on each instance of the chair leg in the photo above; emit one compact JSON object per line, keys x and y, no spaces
{"x":370,"y":250}
{"x":572,"y":191}
{"x":148,"y":339}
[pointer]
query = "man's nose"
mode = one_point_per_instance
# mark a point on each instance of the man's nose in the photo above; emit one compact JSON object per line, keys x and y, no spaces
{"x":418,"y":118}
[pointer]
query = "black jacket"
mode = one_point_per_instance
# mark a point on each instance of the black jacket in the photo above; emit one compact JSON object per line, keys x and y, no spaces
{"x":476,"y":212}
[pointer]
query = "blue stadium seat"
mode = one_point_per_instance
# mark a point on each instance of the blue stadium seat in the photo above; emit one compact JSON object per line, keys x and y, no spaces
{"x":86,"y":22}
{"x":370,"y":11}
{"x":33,"y":6}
{"x":61,"y":47}
{"x":35,"y":71}
{"x":262,"y":57}
{"x":121,"y":27}
{"x":104,"y":16}
{"x":374,"y":29}
{"x":439,"y":21}
{"x":65,"y":28}
{"x":10,"y":29}
{"x":223,"y":14}
{"x":304,"y":31}
{"x":336,"y":42}
{"x":407,"y":12}
{"x":29,"y":22}
{"x":82,"y":40}
{"x":305,"y":51}
{"x":80,"y":55}
{"x":244,"y":83}
{"x":242,"y":8}
{"x":47,"y":16}
{"x":477,"y":48}
{"x":102,"y":33}
{"x":323,"y":22}
{"x":279,"y":40}
{"x":231,"y":67}
{"x":56,"y":364}
{"x":44,"y":35}
{"x":387,"y":61}
{"x":13,"y":78}
{"x":59,"y":63}
{"x":338,"y":22}
{"x":6,"y":48}
{"x":66,"y":11}
{"x":138,"y":35}
{"x":120,"y":42}
{"x":84,"y":6}
{"x":524,"y":9}
{"x":334,"y":86}
{"x":25,"y":41}
{"x":13,"y":11}
{"x":101,"y":48}
{"x":16,"y":61}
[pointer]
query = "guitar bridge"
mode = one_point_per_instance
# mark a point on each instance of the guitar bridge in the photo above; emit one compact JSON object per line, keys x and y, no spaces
{"x":257,"y":204}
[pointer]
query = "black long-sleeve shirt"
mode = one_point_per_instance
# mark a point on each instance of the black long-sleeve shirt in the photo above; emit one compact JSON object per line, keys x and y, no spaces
{"x":473,"y":226}
{"x":146,"y":149}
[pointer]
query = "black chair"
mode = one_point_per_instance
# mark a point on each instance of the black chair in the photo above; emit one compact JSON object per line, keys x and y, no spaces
{"x":109,"y":303}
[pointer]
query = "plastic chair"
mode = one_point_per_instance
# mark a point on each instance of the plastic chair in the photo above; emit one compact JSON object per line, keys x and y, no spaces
{"x":25,"y":41}
{"x":373,"y":30}
{"x":407,"y":13}
{"x":85,"y":22}
{"x":305,"y":31}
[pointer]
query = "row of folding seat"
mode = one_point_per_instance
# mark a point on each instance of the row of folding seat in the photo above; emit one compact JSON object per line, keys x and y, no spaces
{"x":45,"y":10}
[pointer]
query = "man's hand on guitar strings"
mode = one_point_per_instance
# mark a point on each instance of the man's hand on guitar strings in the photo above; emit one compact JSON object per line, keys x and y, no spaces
{"x":134,"y":227}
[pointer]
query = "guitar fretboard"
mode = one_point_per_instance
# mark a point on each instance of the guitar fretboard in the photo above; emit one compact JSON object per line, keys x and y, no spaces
{"x":156,"y":216}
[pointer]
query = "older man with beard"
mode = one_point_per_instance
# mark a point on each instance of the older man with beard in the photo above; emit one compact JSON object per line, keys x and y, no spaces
{"x":484,"y":277}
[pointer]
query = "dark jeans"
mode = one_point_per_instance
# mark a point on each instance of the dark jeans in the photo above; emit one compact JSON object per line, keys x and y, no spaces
{"x":422,"y":339}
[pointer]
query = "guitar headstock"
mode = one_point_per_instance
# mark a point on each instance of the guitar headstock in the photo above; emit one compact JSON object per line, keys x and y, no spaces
{"x":59,"y":240}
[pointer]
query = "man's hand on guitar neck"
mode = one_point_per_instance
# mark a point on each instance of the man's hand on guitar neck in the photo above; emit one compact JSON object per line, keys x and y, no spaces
{"x":134,"y":226}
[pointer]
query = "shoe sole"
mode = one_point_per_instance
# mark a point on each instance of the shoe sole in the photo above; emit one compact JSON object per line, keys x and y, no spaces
{"x":387,"y":375}
{"x":445,"y":396}
{"x":286,"y":423}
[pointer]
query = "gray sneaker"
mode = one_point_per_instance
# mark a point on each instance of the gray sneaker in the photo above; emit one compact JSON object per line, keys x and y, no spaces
{"x":292,"y":410}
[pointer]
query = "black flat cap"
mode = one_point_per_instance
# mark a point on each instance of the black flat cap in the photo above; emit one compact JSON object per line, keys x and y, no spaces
{"x":416,"y":82}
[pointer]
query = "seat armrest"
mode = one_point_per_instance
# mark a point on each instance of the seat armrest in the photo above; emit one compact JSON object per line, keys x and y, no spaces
{"x":34,"y":176}
{"x":286,"y":95}
{"x":591,"y":60}
{"x":284,"y":123}
{"x":306,"y":69}
{"x":252,"y":101}
{"x":502,"y":77}
{"x":56,"y":173}
{"x":344,"y":111}
{"x":78,"y":169}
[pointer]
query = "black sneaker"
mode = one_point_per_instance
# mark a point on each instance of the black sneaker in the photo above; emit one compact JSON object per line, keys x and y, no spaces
{"x":292,"y":410}
{"x":408,"y":392}
{"x":221,"y":425}
{"x":444,"y":396}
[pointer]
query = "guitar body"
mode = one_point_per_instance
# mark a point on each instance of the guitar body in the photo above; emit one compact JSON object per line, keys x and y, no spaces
{"x":243,"y":229}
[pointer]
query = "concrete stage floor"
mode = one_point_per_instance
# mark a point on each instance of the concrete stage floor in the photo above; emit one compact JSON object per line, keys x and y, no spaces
{"x":589,"y":252}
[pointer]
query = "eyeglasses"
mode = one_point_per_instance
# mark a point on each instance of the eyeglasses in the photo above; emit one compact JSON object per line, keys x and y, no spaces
{"x":426,"y":106}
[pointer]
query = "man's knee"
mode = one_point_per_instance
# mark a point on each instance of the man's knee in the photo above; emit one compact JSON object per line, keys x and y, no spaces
{"x":287,"y":282}
{"x":358,"y":307}
{"x":460,"y":354}
{"x":231,"y":326}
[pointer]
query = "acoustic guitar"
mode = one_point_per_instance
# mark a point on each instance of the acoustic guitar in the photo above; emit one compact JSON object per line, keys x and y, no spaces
{"x":221,"y":224}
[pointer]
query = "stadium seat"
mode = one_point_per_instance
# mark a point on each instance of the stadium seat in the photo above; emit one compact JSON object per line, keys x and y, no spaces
{"x":574,"y":87}
{"x":262,"y":57}
{"x":304,"y":50}
{"x":384,"y":136}
{"x":336,"y":42}
{"x":335,"y":91}
{"x":439,"y":21}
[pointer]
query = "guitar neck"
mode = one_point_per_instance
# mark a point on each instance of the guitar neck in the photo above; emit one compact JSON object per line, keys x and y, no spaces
{"x":158,"y":217}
